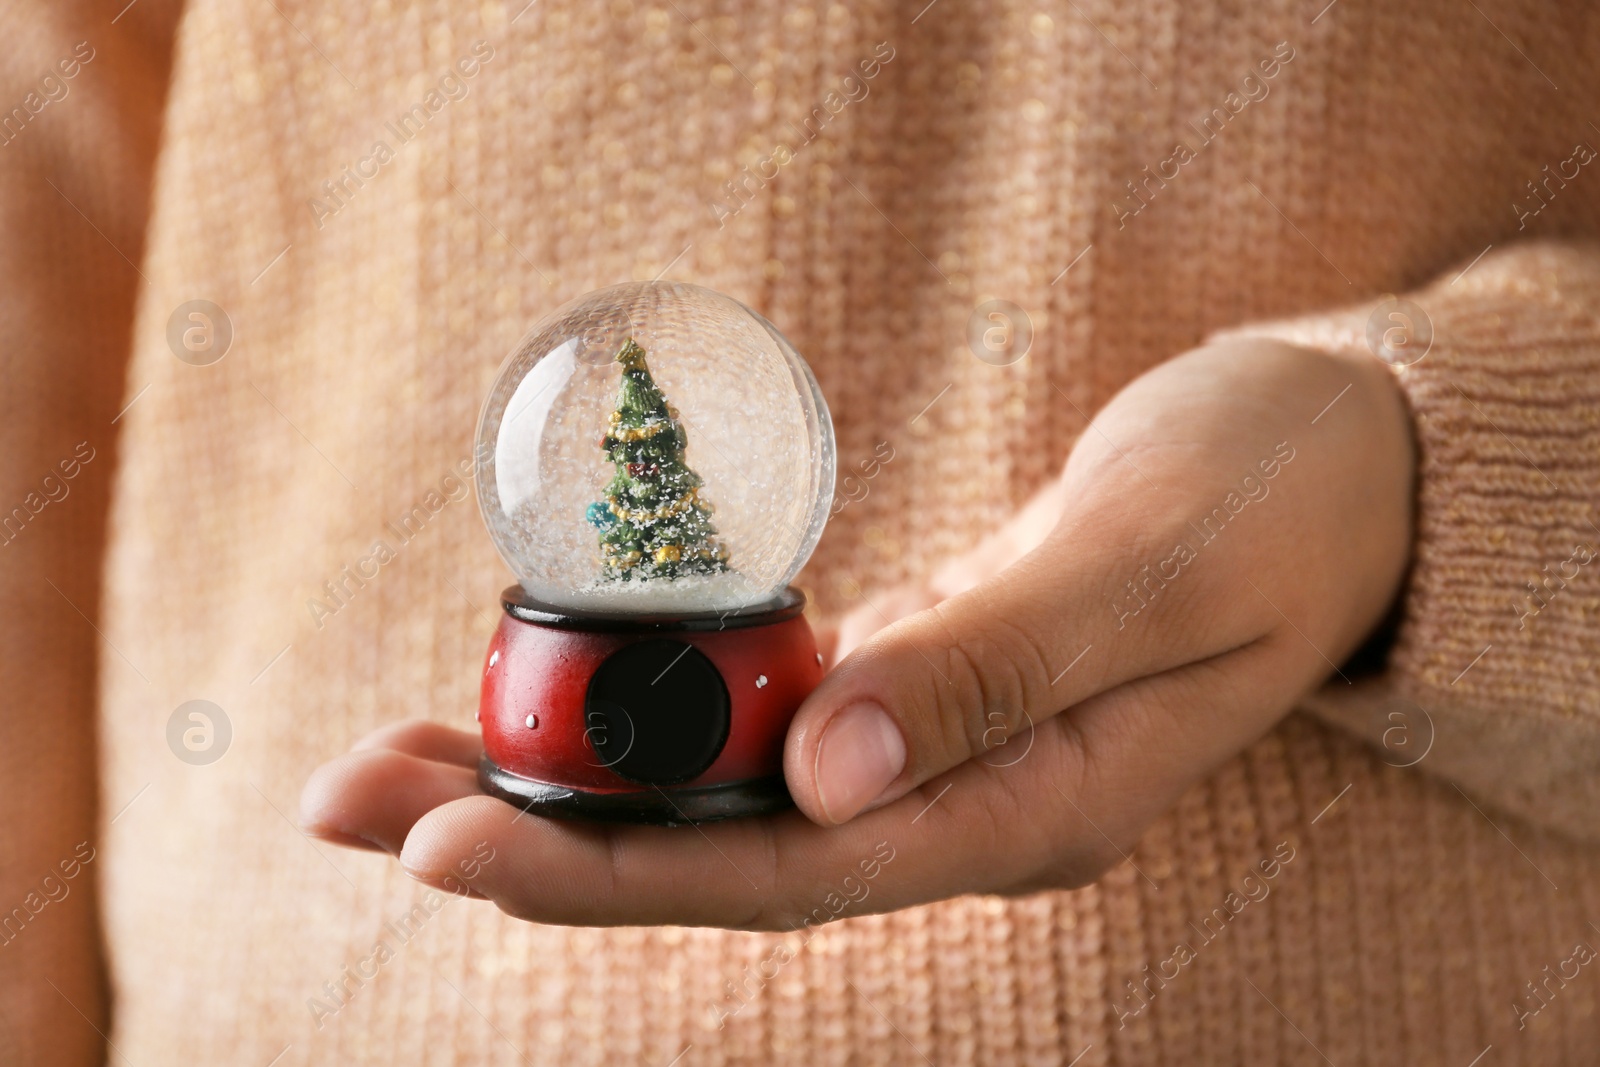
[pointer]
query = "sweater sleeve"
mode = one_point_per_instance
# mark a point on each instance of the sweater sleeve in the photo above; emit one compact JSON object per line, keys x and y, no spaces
{"x":81,"y":95}
{"x":1489,"y":677}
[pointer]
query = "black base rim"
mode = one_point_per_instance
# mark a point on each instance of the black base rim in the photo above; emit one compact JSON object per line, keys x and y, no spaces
{"x":653,"y":806}
{"x":787,"y":604}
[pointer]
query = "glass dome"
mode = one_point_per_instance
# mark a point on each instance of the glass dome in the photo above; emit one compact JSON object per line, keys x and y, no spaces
{"x":655,"y":447}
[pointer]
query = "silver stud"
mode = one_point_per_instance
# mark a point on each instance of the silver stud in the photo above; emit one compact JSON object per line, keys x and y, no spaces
{"x":494,"y":657}
{"x":819,"y":659}
{"x":532,"y":722}
{"x":761,"y":680}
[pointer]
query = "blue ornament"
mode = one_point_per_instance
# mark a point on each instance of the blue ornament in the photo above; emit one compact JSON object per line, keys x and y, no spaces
{"x":600,"y":516}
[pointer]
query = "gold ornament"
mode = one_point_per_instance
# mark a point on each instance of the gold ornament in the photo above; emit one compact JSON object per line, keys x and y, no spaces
{"x":665,"y":511}
{"x":627,"y":434}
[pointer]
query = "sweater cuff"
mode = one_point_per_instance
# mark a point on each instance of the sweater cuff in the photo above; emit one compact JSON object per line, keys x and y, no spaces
{"x":1490,"y":680}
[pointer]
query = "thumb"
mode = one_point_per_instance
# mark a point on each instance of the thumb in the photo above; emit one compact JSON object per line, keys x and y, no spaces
{"x":935,"y":689}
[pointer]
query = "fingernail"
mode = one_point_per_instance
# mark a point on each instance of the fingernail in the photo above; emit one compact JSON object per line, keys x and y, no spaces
{"x":861,"y":752}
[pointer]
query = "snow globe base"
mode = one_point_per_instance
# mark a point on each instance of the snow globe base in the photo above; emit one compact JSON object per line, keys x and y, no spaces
{"x":644,"y":718}
{"x":668,"y":807}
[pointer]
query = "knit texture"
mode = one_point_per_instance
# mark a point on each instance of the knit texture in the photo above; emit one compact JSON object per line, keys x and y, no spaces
{"x":1022,"y":151}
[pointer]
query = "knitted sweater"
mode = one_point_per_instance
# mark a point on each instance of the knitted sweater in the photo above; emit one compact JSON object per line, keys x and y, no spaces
{"x":381,"y":197}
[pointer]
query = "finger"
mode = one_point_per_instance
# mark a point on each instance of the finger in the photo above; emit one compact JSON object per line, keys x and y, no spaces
{"x":860,"y":624}
{"x":774,"y":873}
{"x":933,"y":690}
{"x":1058,"y":810}
{"x":375,"y":796}
{"x":427,"y":740}
{"x":1018,"y":536}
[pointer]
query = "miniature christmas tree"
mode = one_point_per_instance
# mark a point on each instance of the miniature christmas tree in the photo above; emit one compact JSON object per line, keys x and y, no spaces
{"x":652,"y":523}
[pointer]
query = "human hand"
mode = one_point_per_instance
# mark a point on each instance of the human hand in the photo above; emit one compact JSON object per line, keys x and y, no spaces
{"x":1229,"y":528}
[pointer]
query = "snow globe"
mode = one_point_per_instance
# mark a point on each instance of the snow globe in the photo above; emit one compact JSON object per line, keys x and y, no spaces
{"x":655,"y":463}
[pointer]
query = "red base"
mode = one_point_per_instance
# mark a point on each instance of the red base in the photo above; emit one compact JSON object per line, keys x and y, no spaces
{"x":579,"y":757}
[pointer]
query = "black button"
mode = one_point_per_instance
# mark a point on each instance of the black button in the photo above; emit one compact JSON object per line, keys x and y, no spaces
{"x":657,"y":712}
